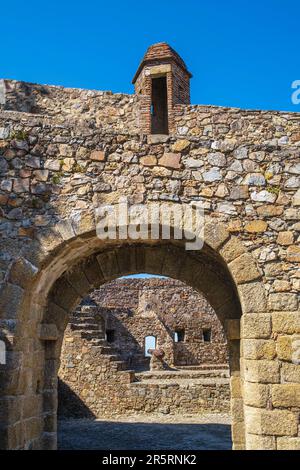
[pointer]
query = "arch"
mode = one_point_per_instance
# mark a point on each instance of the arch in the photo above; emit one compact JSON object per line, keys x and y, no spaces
{"x":68,"y":266}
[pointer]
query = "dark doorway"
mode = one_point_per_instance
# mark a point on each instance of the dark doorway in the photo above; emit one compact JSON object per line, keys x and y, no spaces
{"x":159,"y":108}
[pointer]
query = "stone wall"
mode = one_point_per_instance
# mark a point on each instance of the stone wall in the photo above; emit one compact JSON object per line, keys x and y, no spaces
{"x":96,"y":109}
{"x":95,"y":376}
{"x":242,"y":165}
{"x":94,"y":382}
{"x":137,"y":308}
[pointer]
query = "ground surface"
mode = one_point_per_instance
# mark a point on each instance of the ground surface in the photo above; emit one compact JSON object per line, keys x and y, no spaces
{"x":155,"y":432}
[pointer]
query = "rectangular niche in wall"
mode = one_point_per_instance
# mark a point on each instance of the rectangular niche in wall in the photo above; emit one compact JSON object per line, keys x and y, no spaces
{"x":159,"y":106}
{"x":179,"y":336}
{"x":110,"y":336}
{"x":206,"y":335}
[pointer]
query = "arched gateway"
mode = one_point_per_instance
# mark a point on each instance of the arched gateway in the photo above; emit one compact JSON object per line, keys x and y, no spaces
{"x":64,"y":153}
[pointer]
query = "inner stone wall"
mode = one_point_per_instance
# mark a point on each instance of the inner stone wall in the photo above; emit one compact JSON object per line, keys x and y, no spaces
{"x":136,"y":308}
{"x":95,"y":376}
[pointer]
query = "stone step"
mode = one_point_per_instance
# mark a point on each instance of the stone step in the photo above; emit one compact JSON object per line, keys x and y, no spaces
{"x":121,"y":365}
{"x":86,"y":319}
{"x":85,"y":326}
{"x":92,"y":334}
{"x":203,"y":367}
{"x":190,"y":382}
{"x":181,"y":375}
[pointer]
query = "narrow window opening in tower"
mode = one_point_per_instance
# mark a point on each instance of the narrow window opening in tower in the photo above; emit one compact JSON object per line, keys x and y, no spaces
{"x":159,"y":106}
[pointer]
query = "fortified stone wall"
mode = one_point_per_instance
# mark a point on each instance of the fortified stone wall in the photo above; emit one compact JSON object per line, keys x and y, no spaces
{"x":242,"y":165}
{"x":247,"y":177}
{"x":97,"y":109}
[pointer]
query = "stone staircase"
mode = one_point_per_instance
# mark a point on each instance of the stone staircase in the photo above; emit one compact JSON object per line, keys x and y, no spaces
{"x":84,"y":323}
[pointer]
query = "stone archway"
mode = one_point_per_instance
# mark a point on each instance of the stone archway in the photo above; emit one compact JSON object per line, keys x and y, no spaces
{"x":223,"y":271}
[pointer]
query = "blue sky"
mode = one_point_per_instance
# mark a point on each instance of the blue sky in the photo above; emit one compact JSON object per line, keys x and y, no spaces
{"x":242,"y":53}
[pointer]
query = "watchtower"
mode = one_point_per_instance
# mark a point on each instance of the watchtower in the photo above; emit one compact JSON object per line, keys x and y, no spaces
{"x":163,"y":81}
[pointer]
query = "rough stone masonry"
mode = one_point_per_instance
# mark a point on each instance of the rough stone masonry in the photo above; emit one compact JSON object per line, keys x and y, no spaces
{"x":63,"y":152}
{"x":104,"y":371}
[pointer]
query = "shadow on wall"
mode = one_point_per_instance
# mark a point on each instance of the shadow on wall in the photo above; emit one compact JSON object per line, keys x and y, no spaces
{"x":22,"y":96}
{"x":70,"y":405}
{"x":102,"y":435}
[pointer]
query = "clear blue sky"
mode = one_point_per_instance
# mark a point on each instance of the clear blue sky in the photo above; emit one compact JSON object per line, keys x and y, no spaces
{"x":242,"y":53}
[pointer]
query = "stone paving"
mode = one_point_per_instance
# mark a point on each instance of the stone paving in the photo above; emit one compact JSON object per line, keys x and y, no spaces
{"x":155,"y":432}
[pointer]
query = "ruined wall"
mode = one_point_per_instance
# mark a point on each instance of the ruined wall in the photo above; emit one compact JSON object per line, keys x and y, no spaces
{"x":94,"y":375}
{"x":159,"y":307}
{"x":91,"y":386}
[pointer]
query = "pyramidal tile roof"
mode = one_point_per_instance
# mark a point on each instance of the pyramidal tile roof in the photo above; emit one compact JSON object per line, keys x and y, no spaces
{"x":161,"y":51}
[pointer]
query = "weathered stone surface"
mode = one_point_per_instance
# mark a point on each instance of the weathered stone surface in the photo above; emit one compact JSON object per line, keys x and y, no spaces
{"x":232,"y":249}
{"x":259,"y":349}
{"x":253,"y":297}
{"x":258,"y":442}
{"x":255,"y":326}
{"x":263,"y":196}
{"x":244,"y":269}
{"x":181,"y":145}
{"x":287,"y":347}
{"x":276,"y":422}
{"x":286,"y":322}
{"x":288,"y":443}
{"x":254,"y":179}
{"x":256,"y":394}
{"x":290,"y":372}
{"x":264,"y":372}
{"x":10,"y":300}
{"x":269,"y":211}
{"x":296,"y":198}
{"x":285,"y":238}
{"x":48,"y":332}
{"x":21,"y":185}
{"x":150,"y":160}
{"x":171,"y":160}
{"x":284,"y":301}
{"x":285,"y":395}
{"x":239,"y":192}
{"x":217,"y":159}
{"x":97,"y":156}
{"x":212,"y":175}
{"x":256,"y":226}
{"x":293,"y":254}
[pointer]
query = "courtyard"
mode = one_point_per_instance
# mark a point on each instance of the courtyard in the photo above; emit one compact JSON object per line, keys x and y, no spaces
{"x":151,"y":432}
